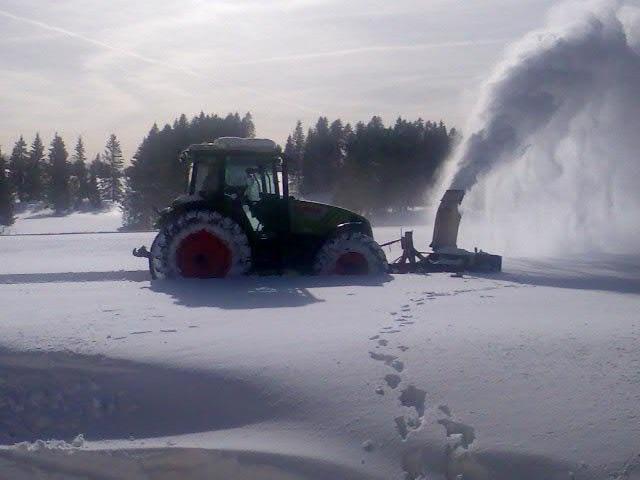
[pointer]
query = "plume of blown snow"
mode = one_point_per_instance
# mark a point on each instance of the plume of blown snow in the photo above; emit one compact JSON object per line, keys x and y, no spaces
{"x":551,"y":160}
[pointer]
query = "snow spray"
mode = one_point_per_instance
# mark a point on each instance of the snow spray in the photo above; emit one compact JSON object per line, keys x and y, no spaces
{"x":551,"y":157}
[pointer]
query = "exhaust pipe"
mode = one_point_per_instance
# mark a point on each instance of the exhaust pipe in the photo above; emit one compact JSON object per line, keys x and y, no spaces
{"x":445,"y":230}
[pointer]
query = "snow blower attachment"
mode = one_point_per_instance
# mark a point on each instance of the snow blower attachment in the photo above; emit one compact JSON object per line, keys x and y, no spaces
{"x":446,"y":256}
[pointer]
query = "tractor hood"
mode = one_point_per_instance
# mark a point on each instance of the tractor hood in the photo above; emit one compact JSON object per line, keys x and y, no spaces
{"x":314,"y":218}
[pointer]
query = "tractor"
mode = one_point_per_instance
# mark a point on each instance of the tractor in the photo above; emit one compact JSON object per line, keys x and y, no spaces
{"x":237,"y":217}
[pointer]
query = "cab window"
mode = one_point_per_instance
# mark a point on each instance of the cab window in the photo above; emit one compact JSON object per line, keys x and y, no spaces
{"x":250,"y":175}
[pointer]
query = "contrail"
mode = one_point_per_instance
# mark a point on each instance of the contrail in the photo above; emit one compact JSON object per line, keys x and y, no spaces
{"x":371,"y":49}
{"x":100,"y":44}
{"x":145,"y":59}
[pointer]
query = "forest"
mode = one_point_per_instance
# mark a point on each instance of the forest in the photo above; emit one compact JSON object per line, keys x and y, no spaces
{"x":367,"y":167}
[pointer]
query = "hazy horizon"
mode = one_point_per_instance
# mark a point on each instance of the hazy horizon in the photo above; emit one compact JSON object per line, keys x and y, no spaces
{"x":90,"y":68}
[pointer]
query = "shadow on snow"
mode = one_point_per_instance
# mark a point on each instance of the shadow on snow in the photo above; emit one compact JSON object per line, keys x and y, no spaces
{"x":257,"y":292}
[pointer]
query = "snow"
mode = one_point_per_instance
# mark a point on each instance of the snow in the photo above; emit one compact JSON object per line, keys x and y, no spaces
{"x":34,"y":219}
{"x":529,"y":374}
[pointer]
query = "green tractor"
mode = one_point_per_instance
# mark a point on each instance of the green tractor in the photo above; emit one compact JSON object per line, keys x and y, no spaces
{"x":238,"y":218}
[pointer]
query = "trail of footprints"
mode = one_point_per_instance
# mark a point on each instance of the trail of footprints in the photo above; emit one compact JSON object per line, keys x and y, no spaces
{"x":460,"y":436}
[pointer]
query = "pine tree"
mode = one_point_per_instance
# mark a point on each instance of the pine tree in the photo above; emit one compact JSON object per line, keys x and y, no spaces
{"x":112,"y":183}
{"x":295,"y":151}
{"x":93,"y":187}
{"x":59,"y":194}
{"x":289,"y":151}
{"x":319,"y":159}
{"x":18,"y":164}
{"x":249,"y":129}
{"x":35,"y":176}
{"x":6,"y":195}
{"x":79,"y":175}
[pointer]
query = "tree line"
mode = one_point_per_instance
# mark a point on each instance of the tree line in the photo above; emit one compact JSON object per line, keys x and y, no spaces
{"x":370,"y":168}
{"x":58,"y":180}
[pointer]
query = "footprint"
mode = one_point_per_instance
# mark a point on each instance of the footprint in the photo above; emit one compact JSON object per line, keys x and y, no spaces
{"x":414,"y":397}
{"x":375,"y":337}
{"x":397,"y":365}
{"x":466,"y":432}
{"x":392,"y":380}
{"x":367,"y":446}
{"x":383,"y":342}
{"x":402,"y":348}
{"x":383,"y":357}
{"x":445,"y":409}
{"x":390,"y":360}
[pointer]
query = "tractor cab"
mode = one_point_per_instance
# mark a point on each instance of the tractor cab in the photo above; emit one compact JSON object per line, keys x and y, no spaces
{"x":244,"y":175}
{"x":251,"y":167}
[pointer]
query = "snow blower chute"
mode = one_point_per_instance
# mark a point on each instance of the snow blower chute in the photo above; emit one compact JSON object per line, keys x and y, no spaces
{"x":446,"y":256}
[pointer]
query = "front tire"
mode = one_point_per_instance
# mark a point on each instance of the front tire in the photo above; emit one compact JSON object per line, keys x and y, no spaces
{"x":351,"y":253}
{"x":200,"y":244}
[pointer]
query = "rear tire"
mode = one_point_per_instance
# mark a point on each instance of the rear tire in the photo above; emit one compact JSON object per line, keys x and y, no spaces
{"x":351,"y":253}
{"x":200,"y":244}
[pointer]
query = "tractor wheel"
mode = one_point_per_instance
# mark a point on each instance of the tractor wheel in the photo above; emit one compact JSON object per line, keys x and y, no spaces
{"x":351,"y":253}
{"x":200,"y":244}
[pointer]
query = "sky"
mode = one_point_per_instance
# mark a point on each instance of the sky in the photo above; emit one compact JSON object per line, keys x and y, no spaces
{"x":93,"y":67}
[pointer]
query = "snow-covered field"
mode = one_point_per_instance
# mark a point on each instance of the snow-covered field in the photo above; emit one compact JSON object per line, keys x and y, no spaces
{"x":530,"y":374}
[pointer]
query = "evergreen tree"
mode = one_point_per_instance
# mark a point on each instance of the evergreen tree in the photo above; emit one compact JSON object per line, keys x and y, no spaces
{"x":289,"y":151}
{"x":294,"y":150}
{"x":247,"y":125}
{"x":79,"y":175}
{"x":35,"y":175}
{"x":59,"y":193}
{"x":6,"y":196}
{"x":112,"y":157}
{"x":18,"y":165}
{"x":93,"y":187}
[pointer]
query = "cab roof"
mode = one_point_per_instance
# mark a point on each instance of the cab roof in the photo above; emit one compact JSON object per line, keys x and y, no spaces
{"x":236,"y":144}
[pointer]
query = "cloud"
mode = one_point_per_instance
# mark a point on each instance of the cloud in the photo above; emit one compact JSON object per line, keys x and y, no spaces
{"x":120,"y":65}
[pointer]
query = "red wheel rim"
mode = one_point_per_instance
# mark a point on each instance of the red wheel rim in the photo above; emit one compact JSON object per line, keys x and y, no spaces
{"x":351,"y":263}
{"x":203,"y":255}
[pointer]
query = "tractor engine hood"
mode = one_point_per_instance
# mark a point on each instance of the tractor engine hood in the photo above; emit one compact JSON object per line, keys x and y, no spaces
{"x":319,"y":218}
